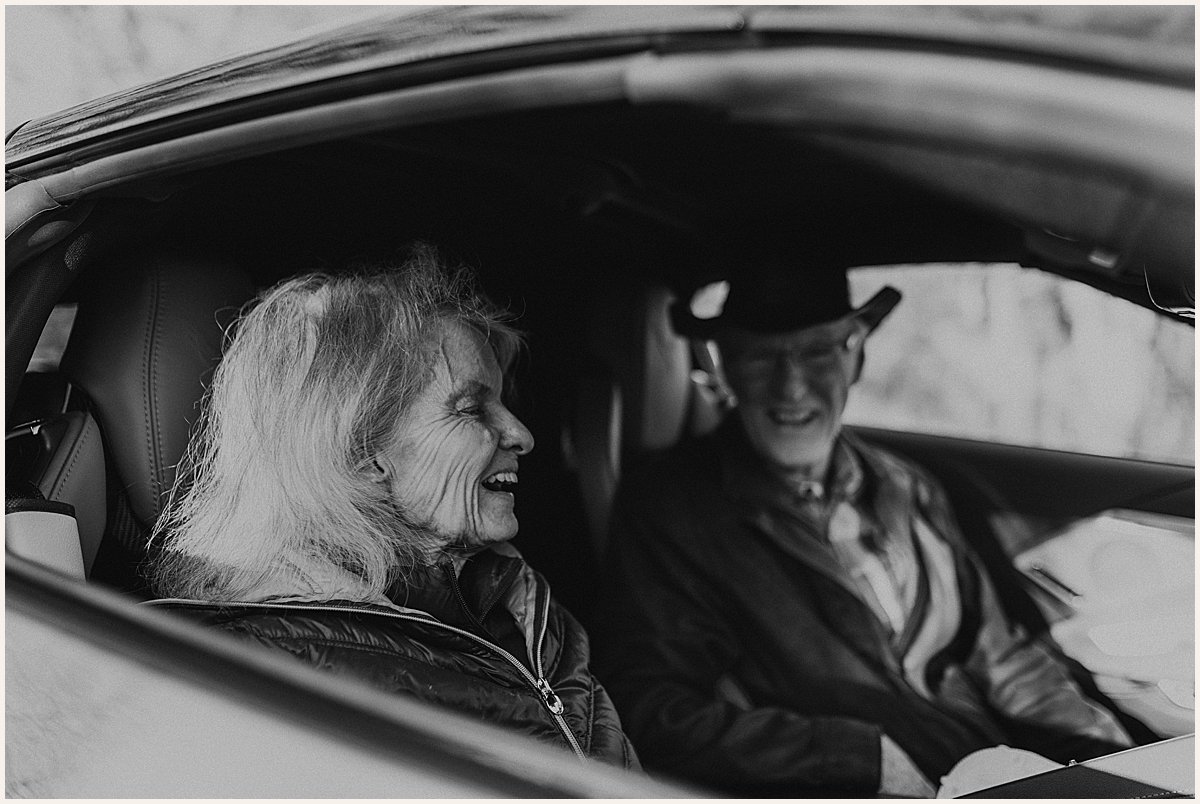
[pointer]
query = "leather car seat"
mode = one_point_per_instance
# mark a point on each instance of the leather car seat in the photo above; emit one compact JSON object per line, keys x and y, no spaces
{"x":636,"y":394}
{"x":147,"y":335}
{"x":61,"y":461}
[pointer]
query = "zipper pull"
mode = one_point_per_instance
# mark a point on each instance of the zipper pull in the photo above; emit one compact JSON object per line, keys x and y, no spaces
{"x":551,"y":697}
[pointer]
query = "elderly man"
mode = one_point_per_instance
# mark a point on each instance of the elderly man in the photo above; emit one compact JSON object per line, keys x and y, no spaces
{"x":793,"y":611}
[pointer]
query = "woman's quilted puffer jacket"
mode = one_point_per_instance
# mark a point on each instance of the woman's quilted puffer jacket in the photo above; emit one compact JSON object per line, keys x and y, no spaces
{"x":522,"y":664}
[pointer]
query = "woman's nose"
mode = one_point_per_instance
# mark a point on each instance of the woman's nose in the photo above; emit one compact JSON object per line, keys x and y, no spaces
{"x":515,"y":435}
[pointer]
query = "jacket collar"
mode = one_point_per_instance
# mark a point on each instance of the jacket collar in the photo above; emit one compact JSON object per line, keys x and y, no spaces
{"x":430,"y":593}
{"x":462,"y":587}
{"x":499,"y":576}
{"x":311,"y":581}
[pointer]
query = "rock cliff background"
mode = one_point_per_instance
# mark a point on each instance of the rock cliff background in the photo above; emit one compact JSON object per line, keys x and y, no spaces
{"x":1017,"y":357}
{"x":57,"y":56}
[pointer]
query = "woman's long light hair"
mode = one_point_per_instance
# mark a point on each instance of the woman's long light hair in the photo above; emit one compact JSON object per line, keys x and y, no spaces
{"x":311,"y":388}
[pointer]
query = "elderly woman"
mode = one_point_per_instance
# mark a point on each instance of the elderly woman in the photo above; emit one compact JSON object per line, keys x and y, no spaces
{"x":354,"y":476}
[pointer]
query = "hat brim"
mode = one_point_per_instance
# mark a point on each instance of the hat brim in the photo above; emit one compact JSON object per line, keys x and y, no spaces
{"x":878,"y":307}
{"x":872,"y":313}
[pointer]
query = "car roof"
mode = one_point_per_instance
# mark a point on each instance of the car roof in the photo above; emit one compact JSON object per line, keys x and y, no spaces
{"x":431,"y":43}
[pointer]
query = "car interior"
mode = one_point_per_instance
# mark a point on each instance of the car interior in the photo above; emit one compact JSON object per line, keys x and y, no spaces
{"x":589,"y":221}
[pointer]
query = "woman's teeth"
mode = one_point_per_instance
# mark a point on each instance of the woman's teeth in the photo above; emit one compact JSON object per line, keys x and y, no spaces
{"x":501,"y":481}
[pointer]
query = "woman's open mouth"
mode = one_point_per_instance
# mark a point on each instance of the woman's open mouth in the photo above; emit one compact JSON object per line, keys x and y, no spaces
{"x":501,"y":481}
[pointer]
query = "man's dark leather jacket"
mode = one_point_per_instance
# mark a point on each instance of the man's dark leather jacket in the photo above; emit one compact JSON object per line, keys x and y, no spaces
{"x":740,"y":656}
{"x":527,"y":671}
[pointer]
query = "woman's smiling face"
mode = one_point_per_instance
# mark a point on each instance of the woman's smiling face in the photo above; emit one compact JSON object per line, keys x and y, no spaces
{"x":453,"y":467}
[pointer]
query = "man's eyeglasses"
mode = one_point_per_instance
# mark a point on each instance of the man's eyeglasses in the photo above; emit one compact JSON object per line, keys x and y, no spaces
{"x":820,"y":355}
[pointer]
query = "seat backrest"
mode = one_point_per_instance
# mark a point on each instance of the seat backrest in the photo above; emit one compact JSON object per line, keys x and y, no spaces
{"x":635,"y":396}
{"x":146,"y":338}
{"x":61,"y":456}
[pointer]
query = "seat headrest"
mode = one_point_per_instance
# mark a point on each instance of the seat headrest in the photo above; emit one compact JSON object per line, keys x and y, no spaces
{"x":632,"y":334}
{"x":146,"y":338}
{"x":633,"y":393}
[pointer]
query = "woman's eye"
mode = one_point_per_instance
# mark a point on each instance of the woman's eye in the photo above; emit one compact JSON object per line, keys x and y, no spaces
{"x":471,"y":410}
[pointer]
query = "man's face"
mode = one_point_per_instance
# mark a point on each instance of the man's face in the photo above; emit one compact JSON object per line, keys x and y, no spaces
{"x":792,"y":389}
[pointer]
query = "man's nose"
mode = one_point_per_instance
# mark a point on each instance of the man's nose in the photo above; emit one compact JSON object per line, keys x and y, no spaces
{"x":514,"y":435}
{"x":788,"y":380}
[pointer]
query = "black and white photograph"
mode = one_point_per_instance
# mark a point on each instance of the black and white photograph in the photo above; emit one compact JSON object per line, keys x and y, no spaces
{"x":600,"y":401}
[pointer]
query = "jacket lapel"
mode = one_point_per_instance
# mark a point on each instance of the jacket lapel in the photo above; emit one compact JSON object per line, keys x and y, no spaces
{"x":864,"y":633}
{"x":799,"y":540}
{"x":757,"y":496}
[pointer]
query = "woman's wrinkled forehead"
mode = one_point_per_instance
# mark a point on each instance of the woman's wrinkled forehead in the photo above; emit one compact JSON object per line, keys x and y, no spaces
{"x":462,"y":353}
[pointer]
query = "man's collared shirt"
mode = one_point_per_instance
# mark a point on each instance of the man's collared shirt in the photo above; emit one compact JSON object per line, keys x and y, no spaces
{"x":870,"y":534}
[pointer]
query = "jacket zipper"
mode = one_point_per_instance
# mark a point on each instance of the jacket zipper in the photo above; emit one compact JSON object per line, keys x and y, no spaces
{"x":549,"y":697}
{"x":553,"y":702}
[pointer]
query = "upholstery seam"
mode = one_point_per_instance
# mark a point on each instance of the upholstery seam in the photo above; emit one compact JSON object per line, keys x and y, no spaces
{"x":151,"y":395}
{"x":61,"y":483}
{"x":342,"y":643}
{"x":590,"y":723}
{"x":358,"y":646}
{"x":555,"y":660}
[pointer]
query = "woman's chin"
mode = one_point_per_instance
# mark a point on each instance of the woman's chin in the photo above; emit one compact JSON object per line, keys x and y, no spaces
{"x":492,"y":534}
{"x":498,"y":519}
{"x":504,"y":534}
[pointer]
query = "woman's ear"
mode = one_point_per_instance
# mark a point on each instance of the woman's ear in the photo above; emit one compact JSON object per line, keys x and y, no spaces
{"x":379,"y":469}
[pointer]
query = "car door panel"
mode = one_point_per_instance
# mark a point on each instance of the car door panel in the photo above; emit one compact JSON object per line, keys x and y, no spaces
{"x":1099,"y":552}
{"x":1047,"y":484}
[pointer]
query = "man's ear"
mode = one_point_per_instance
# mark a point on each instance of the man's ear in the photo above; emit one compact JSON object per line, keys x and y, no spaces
{"x":858,"y":364}
{"x":860,"y":352}
{"x":715,"y":369}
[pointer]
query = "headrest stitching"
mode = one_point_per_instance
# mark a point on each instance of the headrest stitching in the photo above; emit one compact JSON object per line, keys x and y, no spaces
{"x":150,"y":395}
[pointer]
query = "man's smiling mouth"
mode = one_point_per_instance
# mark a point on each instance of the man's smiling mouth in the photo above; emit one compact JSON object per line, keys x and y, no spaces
{"x":501,"y":481}
{"x":793,"y":418}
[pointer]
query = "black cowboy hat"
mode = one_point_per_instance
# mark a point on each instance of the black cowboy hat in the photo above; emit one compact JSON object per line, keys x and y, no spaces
{"x":777,"y":300}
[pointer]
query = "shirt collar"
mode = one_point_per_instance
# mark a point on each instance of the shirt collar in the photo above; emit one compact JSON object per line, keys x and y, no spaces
{"x":744,"y":474}
{"x":845,"y":472}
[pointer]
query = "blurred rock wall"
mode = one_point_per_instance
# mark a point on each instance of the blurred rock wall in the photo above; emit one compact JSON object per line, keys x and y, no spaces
{"x":1023,"y":357}
{"x":1001,"y":359}
{"x":58,"y":56}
